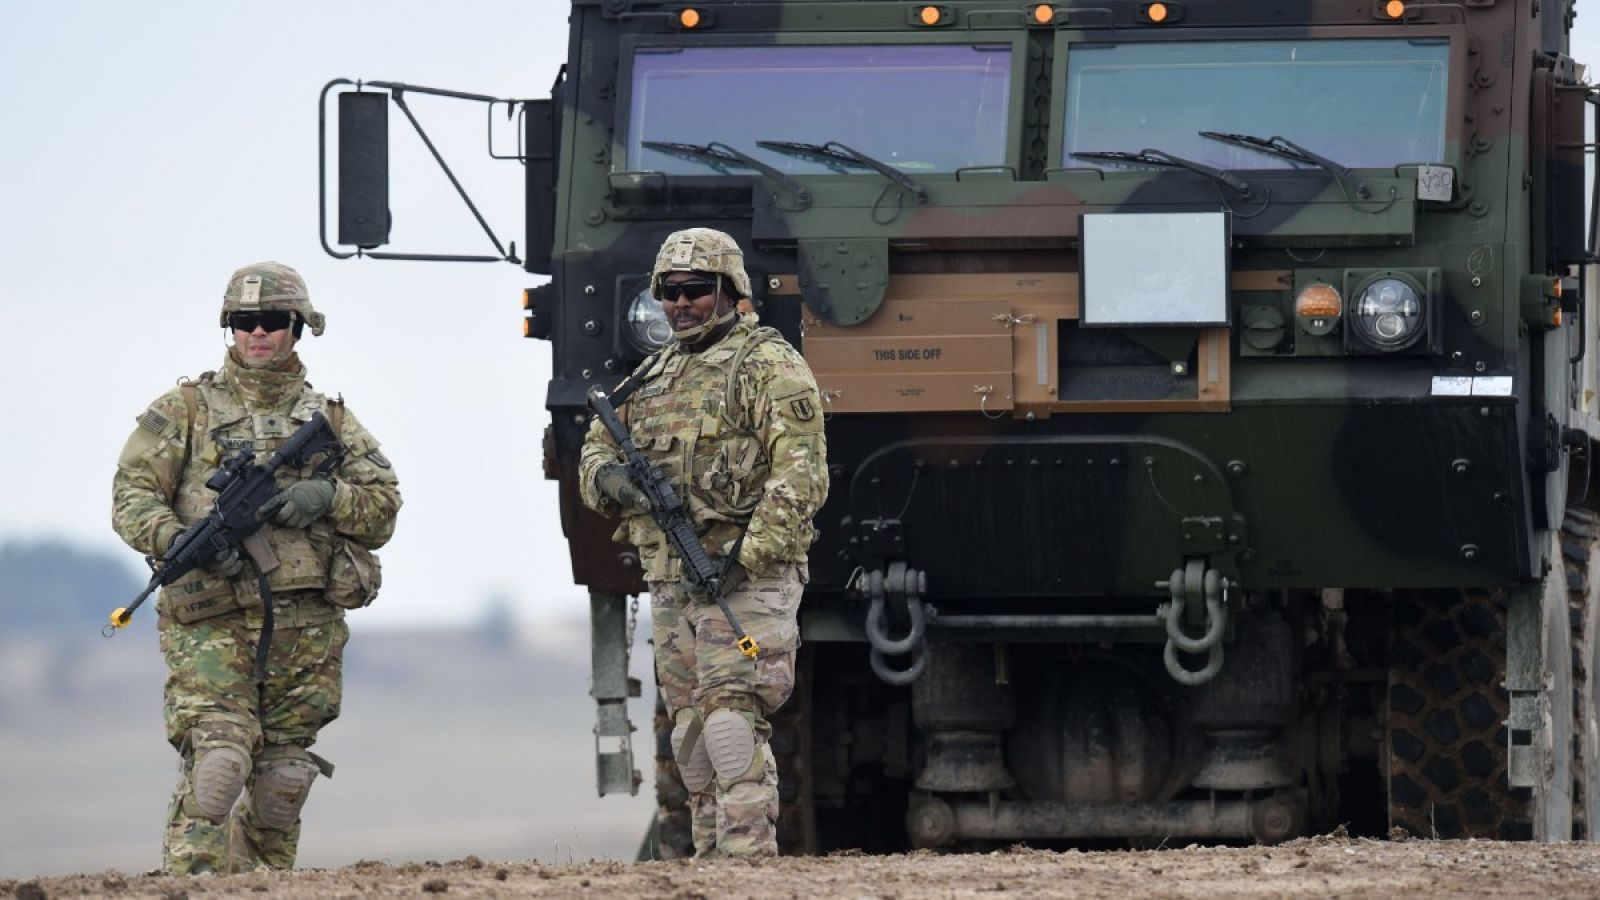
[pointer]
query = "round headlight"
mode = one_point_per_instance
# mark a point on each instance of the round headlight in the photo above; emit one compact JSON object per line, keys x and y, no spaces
{"x":647,"y":324}
{"x":1388,"y":313}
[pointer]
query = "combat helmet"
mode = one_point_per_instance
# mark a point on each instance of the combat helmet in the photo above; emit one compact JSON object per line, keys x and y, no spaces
{"x":270,"y":286}
{"x":701,"y":250}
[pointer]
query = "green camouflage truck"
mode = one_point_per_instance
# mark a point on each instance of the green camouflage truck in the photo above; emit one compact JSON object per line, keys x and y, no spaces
{"x":1210,"y":397}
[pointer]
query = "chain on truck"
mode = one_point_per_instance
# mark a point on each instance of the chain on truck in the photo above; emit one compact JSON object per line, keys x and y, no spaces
{"x":1210,"y":396}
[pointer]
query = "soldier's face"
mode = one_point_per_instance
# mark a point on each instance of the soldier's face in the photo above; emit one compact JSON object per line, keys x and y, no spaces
{"x":260,"y":345}
{"x":689,"y":311}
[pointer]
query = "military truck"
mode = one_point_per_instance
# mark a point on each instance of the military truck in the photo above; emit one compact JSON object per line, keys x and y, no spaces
{"x":1210,"y":397}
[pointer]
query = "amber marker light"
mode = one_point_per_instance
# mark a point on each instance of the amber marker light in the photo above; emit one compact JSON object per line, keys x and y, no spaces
{"x":1157,"y":12}
{"x":1044,"y":14}
{"x":1394,"y":9}
{"x":527,"y":299}
{"x":929,"y":15}
{"x":689,"y":18}
{"x":1318,"y":308}
{"x":1318,"y":301}
{"x":527,"y":327}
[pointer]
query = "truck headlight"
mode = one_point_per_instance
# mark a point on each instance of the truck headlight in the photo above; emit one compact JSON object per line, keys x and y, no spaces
{"x":1387,"y":313}
{"x":647,"y":325}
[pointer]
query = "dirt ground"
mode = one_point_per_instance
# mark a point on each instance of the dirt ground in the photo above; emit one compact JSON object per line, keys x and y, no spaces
{"x":1313,"y":867}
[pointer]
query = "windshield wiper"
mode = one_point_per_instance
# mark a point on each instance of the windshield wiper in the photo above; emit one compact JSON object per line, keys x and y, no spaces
{"x":720,"y":156}
{"x":1283,"y":148}
{"x":838,"y":154}
{"x":1150,"y":157}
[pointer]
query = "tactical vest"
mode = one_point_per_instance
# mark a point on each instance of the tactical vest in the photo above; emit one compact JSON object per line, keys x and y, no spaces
{"x":686,"y":420}
{"x":219,"y":426}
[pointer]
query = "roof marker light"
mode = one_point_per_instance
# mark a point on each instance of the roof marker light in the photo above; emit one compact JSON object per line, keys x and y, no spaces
{"x":689,"y":18}
{"x":1044,"y":14}
{"x":1157,"y":12}
{"x":1394,"y":9}
{"x":929,"y":15}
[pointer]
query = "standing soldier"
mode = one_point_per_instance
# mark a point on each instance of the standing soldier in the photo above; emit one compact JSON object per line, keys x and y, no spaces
{"x":238,"y":735}
{"x":730,"y":413}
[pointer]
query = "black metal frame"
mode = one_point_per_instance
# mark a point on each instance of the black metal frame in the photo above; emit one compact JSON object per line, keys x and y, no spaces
{"x":397,"y":91}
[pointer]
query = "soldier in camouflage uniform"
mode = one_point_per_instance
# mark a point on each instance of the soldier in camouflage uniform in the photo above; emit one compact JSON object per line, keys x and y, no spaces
{"x":730,"y":413}
{"x":236,"y":736}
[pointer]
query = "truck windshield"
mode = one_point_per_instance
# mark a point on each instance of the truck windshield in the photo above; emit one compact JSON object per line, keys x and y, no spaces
{"x":1368,"y":103}
{"x":918,"y":108}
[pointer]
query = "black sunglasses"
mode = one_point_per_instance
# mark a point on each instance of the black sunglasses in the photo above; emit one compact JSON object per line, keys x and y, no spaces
{"x":669,"y":292}
{"x":276,"y":320}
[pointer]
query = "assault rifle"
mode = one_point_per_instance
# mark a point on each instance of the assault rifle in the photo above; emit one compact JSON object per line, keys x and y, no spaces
{"x":242,"y":487}
{"x":673,"y":519}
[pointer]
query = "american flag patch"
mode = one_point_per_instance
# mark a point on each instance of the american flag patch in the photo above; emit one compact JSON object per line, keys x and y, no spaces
{"x":154,"y":421}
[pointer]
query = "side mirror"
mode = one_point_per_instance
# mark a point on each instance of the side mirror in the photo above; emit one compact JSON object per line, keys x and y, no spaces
{"x":1590,"y":181}
{"x":1558,"y":153}
{"x":543,"y":134}
{"x":364,"y":219}
{"x":364,"y":169}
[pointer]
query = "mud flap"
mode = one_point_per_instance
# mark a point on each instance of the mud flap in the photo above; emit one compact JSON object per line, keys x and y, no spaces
{"x":611,"y":687}
{"x":1539,"y":720}
{"x":1527,"y":731}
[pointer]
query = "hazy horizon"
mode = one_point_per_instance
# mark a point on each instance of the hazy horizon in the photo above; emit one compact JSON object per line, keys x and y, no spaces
{"x":154,"y":148}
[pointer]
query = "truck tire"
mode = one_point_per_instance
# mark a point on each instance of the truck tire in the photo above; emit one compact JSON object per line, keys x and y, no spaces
{"x":791,"y":749}
{"x":1579,"y":533}
{"x":1445,"y":759}
{"x":674,"y":835}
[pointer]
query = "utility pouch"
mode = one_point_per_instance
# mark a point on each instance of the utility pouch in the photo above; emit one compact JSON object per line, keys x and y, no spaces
{"x":354,"y":575}
{"x":200,"y":595}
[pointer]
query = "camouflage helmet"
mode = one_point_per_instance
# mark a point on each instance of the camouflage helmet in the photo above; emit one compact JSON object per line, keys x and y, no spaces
{"x":701,"y":250}
{"x":270,"y":286}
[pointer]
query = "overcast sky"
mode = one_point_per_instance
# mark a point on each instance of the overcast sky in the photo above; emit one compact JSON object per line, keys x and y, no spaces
{"x":151,"y":148}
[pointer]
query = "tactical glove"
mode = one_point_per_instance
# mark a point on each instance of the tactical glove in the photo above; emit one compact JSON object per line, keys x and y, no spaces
{"x":225,"y":564}
{"x":613,"y":481}
{"x":299,"y":504}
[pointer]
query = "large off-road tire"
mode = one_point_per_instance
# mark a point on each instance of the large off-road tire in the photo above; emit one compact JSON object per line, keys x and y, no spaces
{"x":1580,"y":535}
{"x":674,"y":833}
{"x":791,"y":747}
{"x":1446,"y":754}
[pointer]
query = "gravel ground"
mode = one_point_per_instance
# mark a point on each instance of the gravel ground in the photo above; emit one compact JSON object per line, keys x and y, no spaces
{"x":1313,"y":867}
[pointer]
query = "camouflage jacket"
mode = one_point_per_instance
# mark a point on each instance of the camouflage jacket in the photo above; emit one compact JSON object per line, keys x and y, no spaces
{"x":742,"y":447}
{"x":159,"y":487}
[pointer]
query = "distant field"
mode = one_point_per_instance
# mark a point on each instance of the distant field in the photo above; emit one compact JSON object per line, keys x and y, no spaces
{"x":451,"y":743}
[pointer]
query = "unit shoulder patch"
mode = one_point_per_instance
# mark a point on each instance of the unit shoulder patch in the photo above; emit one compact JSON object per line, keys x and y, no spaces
{"x":799,"y":409}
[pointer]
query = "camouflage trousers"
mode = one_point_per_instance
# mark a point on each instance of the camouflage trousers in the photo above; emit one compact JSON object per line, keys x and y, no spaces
{"x":212,"y":699}
{"x":698,"y":666}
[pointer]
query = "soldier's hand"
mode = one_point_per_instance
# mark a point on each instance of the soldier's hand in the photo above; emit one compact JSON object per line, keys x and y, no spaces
{"x":299,"y":504}
{"x":613,"y":481}
{"x":225,"y":563}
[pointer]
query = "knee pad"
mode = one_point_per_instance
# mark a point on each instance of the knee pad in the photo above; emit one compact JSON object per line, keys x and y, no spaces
{"x":216,"y":778}
{"x":689,"y":750}
{"x":731,"y":744}
{"x":283,"y":781}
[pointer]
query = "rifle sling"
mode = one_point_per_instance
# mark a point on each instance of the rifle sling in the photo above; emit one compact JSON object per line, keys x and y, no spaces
{"x":635,"y":379}
{"x":264,"y":643}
